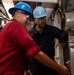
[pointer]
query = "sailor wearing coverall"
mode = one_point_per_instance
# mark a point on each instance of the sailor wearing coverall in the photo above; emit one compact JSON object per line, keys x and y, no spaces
{"x":45,"y":40}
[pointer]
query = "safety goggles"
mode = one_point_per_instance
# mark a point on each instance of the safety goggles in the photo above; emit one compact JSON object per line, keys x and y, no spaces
{"x":27,"y":15}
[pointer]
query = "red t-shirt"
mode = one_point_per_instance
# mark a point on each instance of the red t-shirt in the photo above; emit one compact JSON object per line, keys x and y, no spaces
{"x":15,"y":45}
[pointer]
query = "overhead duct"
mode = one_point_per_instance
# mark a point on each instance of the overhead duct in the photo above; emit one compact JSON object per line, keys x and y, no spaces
{"x":8,"y":4}
{"x":2,"y":10}
{"x":50,"y":1}
{"x":69,"y":20}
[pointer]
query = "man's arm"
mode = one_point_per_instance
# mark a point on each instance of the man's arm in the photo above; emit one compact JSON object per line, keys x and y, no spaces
{"x":60,"y":34}
{"x":47,"y":61}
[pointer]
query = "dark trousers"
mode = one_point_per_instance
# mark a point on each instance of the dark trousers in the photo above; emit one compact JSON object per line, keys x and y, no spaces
{"x":42,"y":70}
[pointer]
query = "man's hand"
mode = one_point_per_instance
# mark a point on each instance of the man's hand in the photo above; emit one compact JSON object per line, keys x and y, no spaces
{"x":28,"y":72}
{"x":63,"y":70}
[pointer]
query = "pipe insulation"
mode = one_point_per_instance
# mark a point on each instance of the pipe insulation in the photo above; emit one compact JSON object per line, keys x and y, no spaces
{"x":69,"y":20}
{"x":50,"y":1}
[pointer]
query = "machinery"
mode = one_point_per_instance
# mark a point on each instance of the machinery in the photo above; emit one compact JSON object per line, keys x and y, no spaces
{"x":60,"y":14}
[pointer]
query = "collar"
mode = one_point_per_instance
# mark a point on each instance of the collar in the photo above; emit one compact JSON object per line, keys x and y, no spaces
{"x":36,"y":31}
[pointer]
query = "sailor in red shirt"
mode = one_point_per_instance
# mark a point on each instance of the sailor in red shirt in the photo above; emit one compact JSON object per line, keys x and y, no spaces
{"x":16,"y":44}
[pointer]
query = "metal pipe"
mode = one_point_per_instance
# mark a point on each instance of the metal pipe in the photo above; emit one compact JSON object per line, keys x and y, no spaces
{"x":69,"y":20}
{"x":50,"y":1}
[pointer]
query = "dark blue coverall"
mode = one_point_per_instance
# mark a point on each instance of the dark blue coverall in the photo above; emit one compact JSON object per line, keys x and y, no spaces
{"x":46,"y":42}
